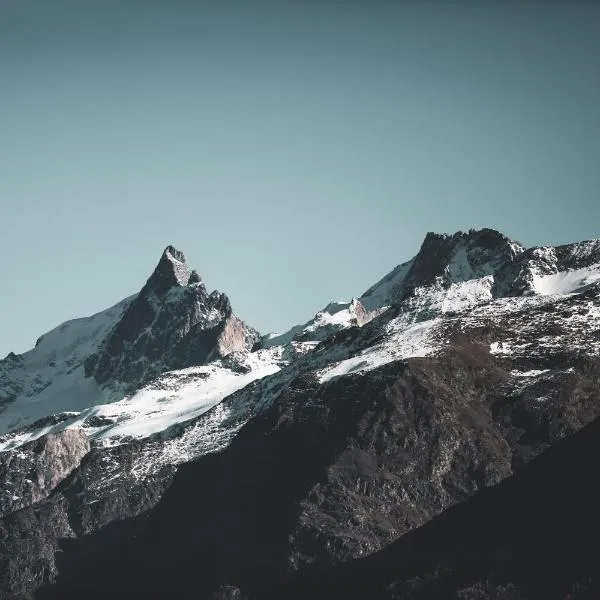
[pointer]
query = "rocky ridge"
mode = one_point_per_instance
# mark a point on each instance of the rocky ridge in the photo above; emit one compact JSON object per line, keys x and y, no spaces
{"x":172,"y":323}
{"x":331,"y":441}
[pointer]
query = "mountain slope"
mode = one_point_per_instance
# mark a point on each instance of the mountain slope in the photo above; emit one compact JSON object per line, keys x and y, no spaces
{"x":532,"y":536}
{"x":325,"y":444}
{"x":172,"y":323}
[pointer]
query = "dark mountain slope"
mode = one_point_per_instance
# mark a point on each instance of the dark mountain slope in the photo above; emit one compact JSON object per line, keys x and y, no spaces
{"x":328,"y":473}
{"x":535,"y":535}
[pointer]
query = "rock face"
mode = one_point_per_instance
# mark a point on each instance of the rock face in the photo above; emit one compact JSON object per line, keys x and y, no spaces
{"x":445,"y":259}
{"x":107,"y":486}
{"x":172,"y":323}
{"x":532,"y":536}
{"x":31,"y":474}
{"x":331,"y":443}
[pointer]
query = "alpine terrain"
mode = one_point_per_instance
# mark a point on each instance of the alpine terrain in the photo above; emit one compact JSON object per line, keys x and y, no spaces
{"x":433,"y":437}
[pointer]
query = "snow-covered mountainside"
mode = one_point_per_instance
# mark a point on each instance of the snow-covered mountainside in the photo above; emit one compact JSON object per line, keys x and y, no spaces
{"x":475,"y":355}
{"x":172,"y":323}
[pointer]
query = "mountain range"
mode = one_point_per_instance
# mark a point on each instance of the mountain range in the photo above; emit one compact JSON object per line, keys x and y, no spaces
{"x":432,"y":437}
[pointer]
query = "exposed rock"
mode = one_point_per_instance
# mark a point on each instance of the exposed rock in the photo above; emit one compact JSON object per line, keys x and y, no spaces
{"x":105,"y":488}
{"x":329,"y":473}
{"x":234,"y":337}
{"x":172,"y":323}
{"x":378,"y":421}
{"x":32,"y":472}
{"x":533,"y":536}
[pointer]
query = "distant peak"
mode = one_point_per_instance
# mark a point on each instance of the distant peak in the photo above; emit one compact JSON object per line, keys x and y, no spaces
{"x":485,"y":237}
{"x":171,"y":271}
{"x":172,"y":253}
{"x":463,"y":255}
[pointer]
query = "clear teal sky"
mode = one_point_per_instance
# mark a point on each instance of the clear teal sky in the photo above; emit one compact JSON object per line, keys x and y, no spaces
{"x":294,"y":151}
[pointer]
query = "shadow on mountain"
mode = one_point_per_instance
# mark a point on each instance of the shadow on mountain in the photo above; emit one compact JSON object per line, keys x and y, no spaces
{"x":535,"y":535}
{"x":228,"y":526}
{"x":227,"y":517}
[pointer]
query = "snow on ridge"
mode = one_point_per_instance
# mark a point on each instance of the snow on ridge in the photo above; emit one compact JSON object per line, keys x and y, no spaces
{"x":81,"y":334}
{"x":566,"y":282}
{"x":406,"y":342}
{"x":50,"y":378}
{"x":335,"y":316}
{"x":175,"y":397}
{"x":383,"y":292}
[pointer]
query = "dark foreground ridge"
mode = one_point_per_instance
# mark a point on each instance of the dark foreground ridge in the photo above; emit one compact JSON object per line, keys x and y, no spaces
{"x":532,"y":536}
{"x":319,"y":475}
{"x":535,"y":535}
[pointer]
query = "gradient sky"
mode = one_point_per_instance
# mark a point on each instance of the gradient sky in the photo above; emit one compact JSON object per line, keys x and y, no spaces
{"x":295,"y":152}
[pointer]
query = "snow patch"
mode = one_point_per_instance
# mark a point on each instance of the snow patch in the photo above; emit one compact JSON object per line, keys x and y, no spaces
{"x":532,"y":373}
{"x":566,"y":282}
{"x":414,"y":340}
{"x":175,"y":397}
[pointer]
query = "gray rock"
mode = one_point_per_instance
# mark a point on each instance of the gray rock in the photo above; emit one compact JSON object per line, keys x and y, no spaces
{"x":32,"y":472}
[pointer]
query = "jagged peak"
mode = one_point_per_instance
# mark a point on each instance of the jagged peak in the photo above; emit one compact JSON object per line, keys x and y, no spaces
{"x":459,"y":256}
{"x":171,"y":271}
{"x":462,"y":255}
{"x":179,"y":267}
{"x":173,"y":254}
{"x":485,"y":237}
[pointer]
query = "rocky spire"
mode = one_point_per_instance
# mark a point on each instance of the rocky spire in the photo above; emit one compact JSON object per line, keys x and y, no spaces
{"x":171,"y":271}
{"x":172,"y":323}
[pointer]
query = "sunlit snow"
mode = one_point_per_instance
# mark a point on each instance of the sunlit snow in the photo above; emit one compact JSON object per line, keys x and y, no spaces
{"x":566,"y":282}
{"x":413,"y":340}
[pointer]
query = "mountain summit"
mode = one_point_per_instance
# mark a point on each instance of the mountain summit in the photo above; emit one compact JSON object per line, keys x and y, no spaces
{"x":446,"y":259}
{"x":172,"y":323}
{"x":172,"y":270}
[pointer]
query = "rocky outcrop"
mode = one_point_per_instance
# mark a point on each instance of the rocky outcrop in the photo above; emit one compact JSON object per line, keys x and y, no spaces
{"x":461,"y":256}
{"x":107,"y":486}
{"x":234,"y":337}
{"x":32,"y":472}
{"x":517,"y":278}
{"x":445,"y":259}
{"x":172,"y":323}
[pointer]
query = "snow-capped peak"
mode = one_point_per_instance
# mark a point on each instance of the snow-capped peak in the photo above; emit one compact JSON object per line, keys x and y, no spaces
{"x":456,"y":258}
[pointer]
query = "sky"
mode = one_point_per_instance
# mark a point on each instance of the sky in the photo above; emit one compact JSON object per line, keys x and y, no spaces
{"x":294,"y":151}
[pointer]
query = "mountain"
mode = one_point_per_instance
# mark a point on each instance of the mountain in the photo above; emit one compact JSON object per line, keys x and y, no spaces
{"x":532,"y":536}
{"x":172,"y":323}
{"x":230,"y":461}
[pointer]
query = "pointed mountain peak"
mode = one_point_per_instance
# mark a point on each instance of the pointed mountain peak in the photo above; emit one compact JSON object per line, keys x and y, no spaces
{"x":171,"y":271}
{"x":175,"y":261}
